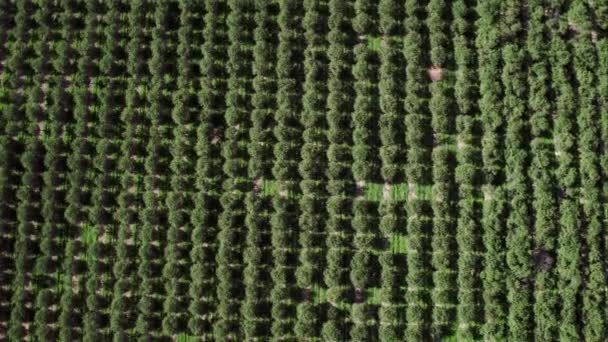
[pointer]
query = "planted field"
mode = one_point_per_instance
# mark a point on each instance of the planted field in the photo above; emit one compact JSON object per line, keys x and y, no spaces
{"x":303,"y":170}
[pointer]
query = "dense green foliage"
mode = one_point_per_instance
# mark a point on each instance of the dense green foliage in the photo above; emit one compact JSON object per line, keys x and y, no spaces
{"x":29,"y":208}
{"x":467,"y":176}
{"x":588,"y":117}
{"x":80,"y":159}
{"x":444,"y":246}
{"x":155,"y":222}
{"x":130,"y":199}
{"x":340,"y":183}
{"x":313,"y":216}
{"x":232,"y":220}
{"x":392,"y":153}
{"x":517,"y":185}
{"x":104,"y":196}
{"x":203,"y":297}
{"x":492,"y":153}
{"x":55,"y":226}
{"x":418,"y":172}
{"x":303,"y":170}
{"x":180,"y":197}
{"x":257,"y":305}
{"x":364,"y":267}
{"x":7,"y":24}
{"x":543,"y":180}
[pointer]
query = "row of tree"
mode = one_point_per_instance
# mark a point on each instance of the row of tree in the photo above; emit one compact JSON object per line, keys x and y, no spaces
{"x":257,"y":305}
{"x":444,"y":247}
{"x":81,"y":180}
{"x":341,"y":39}
{"x":418,"y":172}
{"x":131,"y":197}
{"x":590,"y":154}
{"x":366,"y":166}
{"x":209,"y":174}
{"x":392,"y":152}
{"x":544,"y":182}
{"x":30,"y":120}
{"x":492,"y":155}
{"x":467,"y":175}
{"x":313,"y":184}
